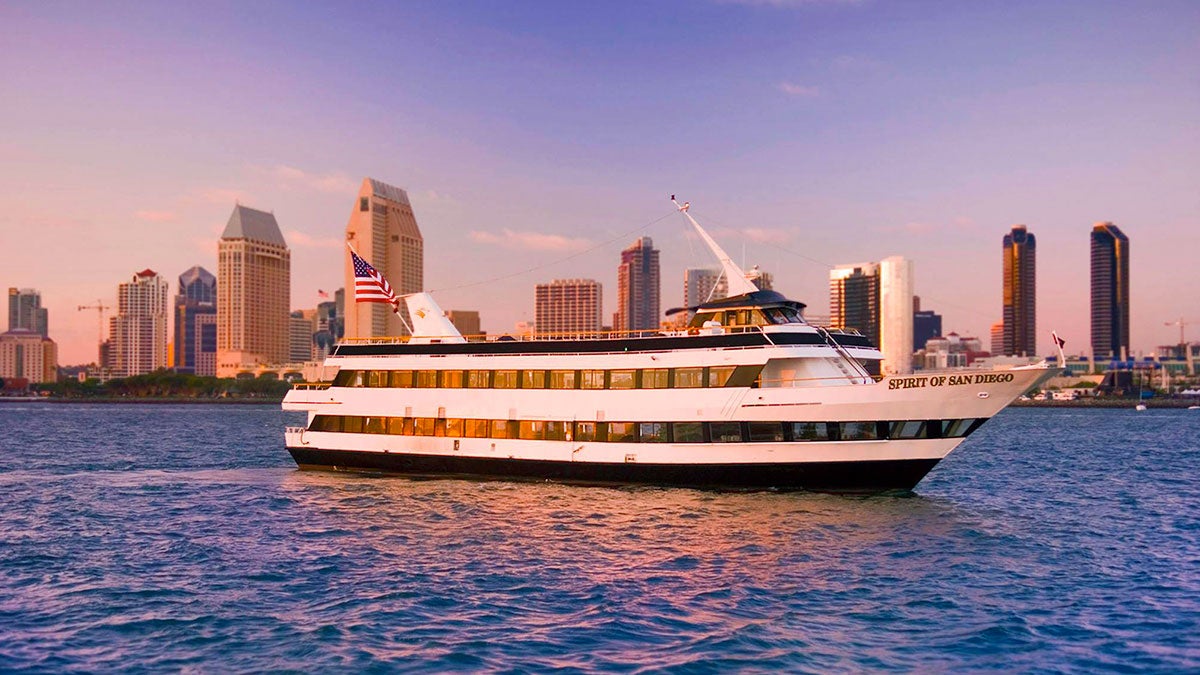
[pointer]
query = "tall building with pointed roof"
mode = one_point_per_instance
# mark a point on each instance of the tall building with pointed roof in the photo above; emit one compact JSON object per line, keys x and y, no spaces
{"x":383,"y":229}
{"x":196,"y":323}
{"x":253,"y":292}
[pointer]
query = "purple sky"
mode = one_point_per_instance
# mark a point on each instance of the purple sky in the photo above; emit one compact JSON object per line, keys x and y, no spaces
{"x":805,"y":133}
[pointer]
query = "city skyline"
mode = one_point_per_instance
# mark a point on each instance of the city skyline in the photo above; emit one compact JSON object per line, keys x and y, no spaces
{"x":816,"y":132}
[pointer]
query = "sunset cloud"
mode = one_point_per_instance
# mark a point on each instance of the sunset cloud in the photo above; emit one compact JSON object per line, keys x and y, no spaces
{"x":798,"y":90}
{"x":534,"y":241}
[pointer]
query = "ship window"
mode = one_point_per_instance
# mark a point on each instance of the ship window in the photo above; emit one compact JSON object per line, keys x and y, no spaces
{"x":591,"y":379}
{"x":621,"y":379}
{"x":688,"y":432}
{"x":378,"y":378}
{"x":744,"y":376}
{"x":352,"y":424}
{"x":725,"y":432}
{"x":408,"y":426}
{"x":701,"y":317}
{"x":451,"y":379}
{"x":859,"y":431}
{"x":427,"y":379}
{"x":622,"y":432}
{"x":757,"y":318}
{"x":955,"y":428}
{"x":533,"y":379}
{"x":326,"y":423}
{"x":562,"y":379}
{"x":655,"y":378}
{"x":475,"y":428}
{"x":689,"y":378}
{"x":809,"y":431}
{"x":395,"y":426}
{"x":500,"y":428}
{"x":586,"y":431}
{"x":532,"y":430}
{"x":345,"y":378}
{"x":766,"y":431}
{"x":439,"y":426}
{"x":908,"y":429}
{"x":556,"y":431}
{"x":834,"y":429}
{"x":505,"y":379}
{"x":652,"y":432}
{"x":373,"y":425}
{"x":423,"y":426}
{"x":479,"y":379}
{"x":454,"y":428}
{"x":719,"y":375}
{"x":402,"y":379}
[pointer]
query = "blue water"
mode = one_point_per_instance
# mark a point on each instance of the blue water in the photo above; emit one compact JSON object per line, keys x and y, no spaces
{"x":150,"y":538}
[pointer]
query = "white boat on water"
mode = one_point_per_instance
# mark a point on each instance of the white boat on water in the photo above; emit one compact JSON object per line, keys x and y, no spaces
{"x":749,"y":395}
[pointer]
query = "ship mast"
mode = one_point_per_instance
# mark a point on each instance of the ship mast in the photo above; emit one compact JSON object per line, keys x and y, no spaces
{"x":734,"y":276}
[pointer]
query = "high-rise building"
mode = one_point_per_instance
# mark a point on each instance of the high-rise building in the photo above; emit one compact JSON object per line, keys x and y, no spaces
{"x":465,"y":320}
{"x":254,"y":281}
{"x":28,"y":355}
{"x":997,"y":338}
{"x":138,"y":333}
{"x":703,"y":284}
{"x":301,"y":329}
{"x":568,"y":306}
{"x":1020,"y":293}
{"x":877,"y":300}
{"x":1110,"y":292}
{"x":638,"y":288}
{"x":328,"y":325}
{"x":195,"y":337}
{"x":926,"y":324}
{"x":383,"y":229}
{"x":25,"y":311}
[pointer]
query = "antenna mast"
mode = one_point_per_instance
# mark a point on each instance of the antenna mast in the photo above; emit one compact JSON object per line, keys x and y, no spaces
{"x":735,"y":278}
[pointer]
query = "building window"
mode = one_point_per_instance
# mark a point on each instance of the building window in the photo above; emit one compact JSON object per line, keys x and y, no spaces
{"x":364,"y":204}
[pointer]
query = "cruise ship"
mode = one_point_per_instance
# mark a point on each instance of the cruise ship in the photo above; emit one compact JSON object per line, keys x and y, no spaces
{"x":748,"y":396}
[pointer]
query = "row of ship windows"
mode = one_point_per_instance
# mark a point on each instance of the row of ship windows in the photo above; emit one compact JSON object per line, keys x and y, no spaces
{"x":643,"y":378}
{"x":646,"y":432}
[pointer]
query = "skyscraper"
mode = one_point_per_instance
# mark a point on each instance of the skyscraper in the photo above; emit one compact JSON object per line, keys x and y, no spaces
{"x":465,"y":320}
{"x":638,"y":287}
{"x":302,"y":326}
{"x":196,"y":323}
{"x":926,"y":324}
{"x":27,"y":355}
{"x":25,"y":311}
{"x":383,"y":229}
{"x":1020,"y":293}
{"x":138,"y":333}
{"x":703,"y":284}
{"x":568,"y":306}
{"x":253,"y":292}
{"x":877,"y":300}
{"x":1110,"y":292}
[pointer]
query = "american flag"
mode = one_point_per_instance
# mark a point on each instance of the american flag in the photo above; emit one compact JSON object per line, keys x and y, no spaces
{"x":369,"y":284}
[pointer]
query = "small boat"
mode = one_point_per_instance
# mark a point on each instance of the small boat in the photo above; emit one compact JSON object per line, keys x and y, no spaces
{"x":1140,"y":407}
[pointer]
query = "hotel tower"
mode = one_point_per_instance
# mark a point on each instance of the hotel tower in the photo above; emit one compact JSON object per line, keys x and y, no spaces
{"x":254,"y":276}
{"x":1110,"y":292}
{"x":638,"y":287}
{"x":384,"y":231}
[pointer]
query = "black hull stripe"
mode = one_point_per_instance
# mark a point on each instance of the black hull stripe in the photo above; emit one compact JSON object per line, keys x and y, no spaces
{"x":865,"y":476}
{"x":646,"y":344}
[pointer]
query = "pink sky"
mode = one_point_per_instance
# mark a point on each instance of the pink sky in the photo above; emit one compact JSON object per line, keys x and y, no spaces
{"x":815,"y":133}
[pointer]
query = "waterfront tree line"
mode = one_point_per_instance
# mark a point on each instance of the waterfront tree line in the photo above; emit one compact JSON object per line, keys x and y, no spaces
{"x":168,"y":385}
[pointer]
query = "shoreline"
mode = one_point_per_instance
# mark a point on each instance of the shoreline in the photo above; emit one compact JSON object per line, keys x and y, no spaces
{"x":1151,"y":403}
{"x":150,"y":400}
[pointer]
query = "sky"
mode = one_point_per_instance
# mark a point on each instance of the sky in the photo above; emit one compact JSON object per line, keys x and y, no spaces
{"x":537,"y":139}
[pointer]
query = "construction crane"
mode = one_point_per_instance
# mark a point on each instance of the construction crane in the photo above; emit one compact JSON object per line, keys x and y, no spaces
{"x":1181,"y":322}
{"x":100,"y":308}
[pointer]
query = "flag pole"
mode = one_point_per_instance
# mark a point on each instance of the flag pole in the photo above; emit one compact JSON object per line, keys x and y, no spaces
{"x":396,"y":304}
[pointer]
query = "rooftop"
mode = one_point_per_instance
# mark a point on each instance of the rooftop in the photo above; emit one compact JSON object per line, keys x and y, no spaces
{"x":248,"y":223}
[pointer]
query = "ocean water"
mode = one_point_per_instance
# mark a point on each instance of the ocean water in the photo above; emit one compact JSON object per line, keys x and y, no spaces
{"x":150,"y":538}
